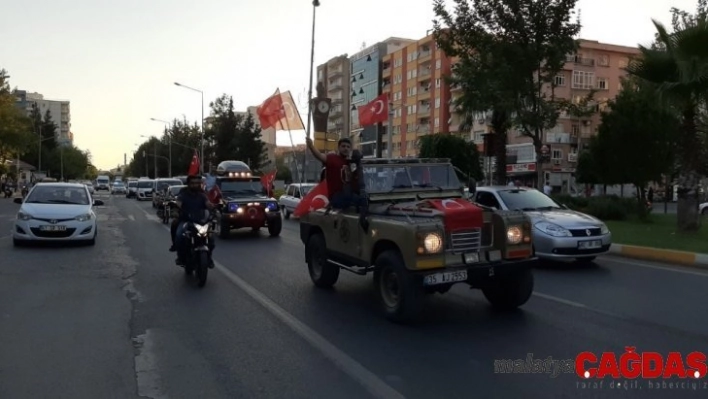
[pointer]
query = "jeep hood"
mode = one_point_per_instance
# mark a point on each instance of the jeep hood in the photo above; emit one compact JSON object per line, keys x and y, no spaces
{"x":458,"y":214}
{"x":247,"y":198}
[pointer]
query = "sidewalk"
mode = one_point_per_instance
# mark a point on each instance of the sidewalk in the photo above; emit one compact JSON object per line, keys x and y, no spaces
{"x":661,"y":255}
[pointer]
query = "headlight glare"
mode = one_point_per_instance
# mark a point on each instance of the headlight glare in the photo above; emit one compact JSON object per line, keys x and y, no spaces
{"x":514,"y":235}
{"x":553,"y":229}
{"x":432,"y":243}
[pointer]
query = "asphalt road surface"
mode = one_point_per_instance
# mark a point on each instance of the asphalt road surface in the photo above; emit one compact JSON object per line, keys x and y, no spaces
{"x":119,"y":320}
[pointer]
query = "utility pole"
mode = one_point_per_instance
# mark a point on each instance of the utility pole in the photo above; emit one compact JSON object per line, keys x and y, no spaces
{"x":154,"y":159}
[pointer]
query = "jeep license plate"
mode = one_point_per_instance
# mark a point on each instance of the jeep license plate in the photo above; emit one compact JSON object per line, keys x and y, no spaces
{"x":445,"y":278}
{"x":471,"y":258}
{"x":593,"y":244}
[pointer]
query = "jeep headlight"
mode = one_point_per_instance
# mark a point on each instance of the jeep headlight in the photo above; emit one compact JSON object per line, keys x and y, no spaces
{"x":271,"y":207}
{"x":83,"y":218}
{"x":553,"y":229}
{"x":514,"y":235}
{"x":604,"y":229}
{"x":431,"y":243}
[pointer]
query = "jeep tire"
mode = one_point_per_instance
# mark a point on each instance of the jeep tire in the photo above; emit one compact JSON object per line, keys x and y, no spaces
{"x":399,"y":291}
{"x":275,"y":226}
{"x":510,"y":291}
{"x":322,"y":273}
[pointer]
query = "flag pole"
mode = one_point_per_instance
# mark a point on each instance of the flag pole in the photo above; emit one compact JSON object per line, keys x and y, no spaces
{"x":315,"y":4}
{"x":292,"y":143}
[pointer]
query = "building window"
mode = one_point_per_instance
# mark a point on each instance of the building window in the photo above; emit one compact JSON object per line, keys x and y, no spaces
{"x":559,"y":80}
{"x":397,"y":96}
{"x":397,"y":79}
{"x":583,"y":80}
{"x":602,"y":84}
{"x":438,"y":64}
{"x":437,"y":122}
{"x":397,"y":113}
{"x":437,"y":103}
{"x":575,"y":129}
{"x":438,"y":82}
{"x":556,"y":154}
{"x":623,"y":62}
{"x":603,"y":60}
{"x":412,"y":91}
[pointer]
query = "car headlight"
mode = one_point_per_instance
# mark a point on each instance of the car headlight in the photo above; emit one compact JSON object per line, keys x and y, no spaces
{"x":514,"y":235}
{"x":553,"y":229}
{"x":23,"y":216}
{"x":604,"y":229}
{"x":84,"y":217}
{"x":430,"y":243}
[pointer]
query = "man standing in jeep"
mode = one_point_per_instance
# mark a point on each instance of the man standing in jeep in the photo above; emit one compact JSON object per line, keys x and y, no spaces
{"x":345,"y":185}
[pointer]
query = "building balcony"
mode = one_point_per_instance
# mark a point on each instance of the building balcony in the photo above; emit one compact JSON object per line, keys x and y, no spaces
{"x":334,"y":73}
{"x":334,"y":87}
{"x":424,"y":109}
{"x":424,"y":74}
{"x":424,"y":55}
{"x":573,"y":157}
{"x":424,"y":93}
{"x":335,"y":112}
{"x":386,"y":72}
{"x":580,"y":60}
{"x":336,"y":100}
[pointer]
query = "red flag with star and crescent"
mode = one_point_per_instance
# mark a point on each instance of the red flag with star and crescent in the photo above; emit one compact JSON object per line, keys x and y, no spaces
{"x":194,"y":165}
{"x":314,"y":200}
{"x":271,"y":112}
{"x":267,"y":181}
{"x":374,"y":112}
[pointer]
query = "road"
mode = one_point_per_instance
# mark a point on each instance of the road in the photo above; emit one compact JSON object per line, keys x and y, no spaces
{"x":119,"y":320}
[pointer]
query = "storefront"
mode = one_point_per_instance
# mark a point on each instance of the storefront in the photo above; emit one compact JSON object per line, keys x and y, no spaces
{"x":522,"y":172}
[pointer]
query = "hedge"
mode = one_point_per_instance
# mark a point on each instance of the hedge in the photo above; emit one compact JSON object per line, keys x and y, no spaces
{"x":609,"y":207}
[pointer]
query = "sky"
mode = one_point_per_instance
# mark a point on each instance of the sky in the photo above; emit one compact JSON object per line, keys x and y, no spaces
{"x":117,"y":61}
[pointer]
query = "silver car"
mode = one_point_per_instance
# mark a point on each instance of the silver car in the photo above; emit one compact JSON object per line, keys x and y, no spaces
{"x":559,"y":233}
{"x":292,"y":197}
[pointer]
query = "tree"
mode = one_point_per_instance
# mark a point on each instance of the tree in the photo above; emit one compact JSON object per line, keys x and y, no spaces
{"x":283,"y":171}
{"x":184,"y":140}
{"x":462,"y":154}
{"x":14,"y":126}
{"x":68,"y":161}
{"x":676,"y":67}
{"x":510,"y":52}
{"x":233,"y":136}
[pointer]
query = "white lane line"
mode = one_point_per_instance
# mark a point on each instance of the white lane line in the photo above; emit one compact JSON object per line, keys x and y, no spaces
{"x":559,"y":300}
{"x":675,"y":269}
{"x":131,"y":217}
{"x":370,"y":381}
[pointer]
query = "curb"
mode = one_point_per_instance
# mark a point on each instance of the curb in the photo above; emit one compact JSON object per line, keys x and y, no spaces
{"x":661,"y":255}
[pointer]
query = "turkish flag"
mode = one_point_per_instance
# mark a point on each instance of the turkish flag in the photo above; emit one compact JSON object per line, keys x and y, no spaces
{"x":459,"y":214}
{"x":374,"y":112}
{"x":315,"y":199}
{"x":214,"y":194}
{"x":271,"y":111}
{"x":267,"y":181}
{"x":194,"y":165}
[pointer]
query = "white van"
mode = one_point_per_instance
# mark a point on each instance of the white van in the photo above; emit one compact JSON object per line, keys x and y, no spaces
{"x":103,"y":183}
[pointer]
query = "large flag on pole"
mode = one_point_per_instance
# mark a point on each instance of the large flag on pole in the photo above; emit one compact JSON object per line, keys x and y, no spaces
{"x":271,"y":112}
{"x":291,"y":119}
{"x":194,"y":165}
{"x":374,"y":112}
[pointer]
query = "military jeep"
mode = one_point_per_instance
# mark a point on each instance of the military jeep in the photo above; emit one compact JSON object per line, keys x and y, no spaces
{"x":423,"y":237}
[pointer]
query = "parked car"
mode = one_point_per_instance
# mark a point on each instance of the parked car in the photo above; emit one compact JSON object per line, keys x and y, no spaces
{"x":144,"y":190}
{"x":89,"y":186}
{"x":118,"y":188}
{"x":56,"y":212}
{"x":558,"y":232}
{"x":292,"y":197}
{"x":132,"y":190}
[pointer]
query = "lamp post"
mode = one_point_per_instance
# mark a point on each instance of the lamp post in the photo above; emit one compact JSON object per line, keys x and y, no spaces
{"x":201,"y":124}
{"x":61,"y":162}
{"x":154,"y":154}
{"x":169,"y":141}
{"x":315,"y":4}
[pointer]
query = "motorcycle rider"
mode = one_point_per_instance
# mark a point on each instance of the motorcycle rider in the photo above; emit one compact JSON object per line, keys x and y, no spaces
{"x":191,"y":202}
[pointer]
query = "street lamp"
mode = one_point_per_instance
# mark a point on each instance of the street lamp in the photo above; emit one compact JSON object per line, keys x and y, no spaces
{"x":169,"y":140}
{"x":201,"y":124}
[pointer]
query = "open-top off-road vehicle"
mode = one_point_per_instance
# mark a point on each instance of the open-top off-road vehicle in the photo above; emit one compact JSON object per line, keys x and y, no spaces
{"x":244,"y":200}
{"x":422,"y":238}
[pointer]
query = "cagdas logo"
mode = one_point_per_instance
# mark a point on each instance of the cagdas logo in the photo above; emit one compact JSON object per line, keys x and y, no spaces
{"x":646,"y":365}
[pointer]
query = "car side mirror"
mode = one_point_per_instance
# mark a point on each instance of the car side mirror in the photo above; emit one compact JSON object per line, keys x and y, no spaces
{"x":97,"y":202}
{"x":17,"y":200}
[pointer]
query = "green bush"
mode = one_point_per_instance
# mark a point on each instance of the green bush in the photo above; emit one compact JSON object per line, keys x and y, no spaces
{"x":610,"y":207}
{"x":278,"y":193}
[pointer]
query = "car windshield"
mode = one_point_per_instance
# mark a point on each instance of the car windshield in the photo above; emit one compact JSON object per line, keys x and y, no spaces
{"x":527,"y":200}
{"x":163,"y":184}
{"x":133,"y":184}
{"x":145,"y":184}
{"x":118,"y":185}
{"x":387,"y":178}
{"x":240,"y":187}
{"x":58,"y":195}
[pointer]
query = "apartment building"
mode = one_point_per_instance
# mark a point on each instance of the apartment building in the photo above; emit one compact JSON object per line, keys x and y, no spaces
{"x":334,"y":75}
{"x":414,"y":78}
{"x":366,"y":79}
{"x":60,"y":111}
{"x":596,"y":66}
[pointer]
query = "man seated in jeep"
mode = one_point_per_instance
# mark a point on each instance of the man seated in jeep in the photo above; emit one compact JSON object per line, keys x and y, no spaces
{"x":345,"y":184}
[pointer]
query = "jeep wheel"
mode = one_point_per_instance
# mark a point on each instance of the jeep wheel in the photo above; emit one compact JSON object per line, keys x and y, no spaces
{"x":399,"y":292}
{"x":322,"y":273}
{"x":275,"y":225}
{"x":511,"y":291}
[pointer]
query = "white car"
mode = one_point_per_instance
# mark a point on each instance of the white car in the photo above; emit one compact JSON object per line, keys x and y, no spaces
{"x":703,"y":209}
{"x":89,"y":186}
{"x":56,"y":212}
{"x":118,"y":188}
{"x":292,"y":197}
{"x":144,"y":190}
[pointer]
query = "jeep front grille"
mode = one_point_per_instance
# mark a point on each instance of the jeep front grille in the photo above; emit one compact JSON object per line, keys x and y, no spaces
{"x":466,"y":241}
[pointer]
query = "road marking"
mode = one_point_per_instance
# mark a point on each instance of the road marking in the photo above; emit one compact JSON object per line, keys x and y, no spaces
{"x":375,"y":385}
{"x":347,"y":364}
{"x":675,"y":269}
{"x":131,"y":217}
{"x":559,"y":300}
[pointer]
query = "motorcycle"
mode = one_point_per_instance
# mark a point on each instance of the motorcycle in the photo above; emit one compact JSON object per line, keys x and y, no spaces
{"x":25,"y":191}
{"x":164,"y":212}
{"x":8,"y":192}
{"x":199,"y":234}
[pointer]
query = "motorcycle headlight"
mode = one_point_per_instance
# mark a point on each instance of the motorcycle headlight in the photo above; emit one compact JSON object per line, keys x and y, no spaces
{"x":604,"y":229}
{"x":514,"y":235}
{"x":23,"y":216}
{"x":201,"y":229}
{"x":84,"y":217}
{"x":430,"y":243}
{"x":552,"y":229}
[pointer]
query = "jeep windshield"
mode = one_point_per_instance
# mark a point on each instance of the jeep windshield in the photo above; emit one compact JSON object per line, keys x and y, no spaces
{"x":388,"y":178}
{"x":231,"y":187}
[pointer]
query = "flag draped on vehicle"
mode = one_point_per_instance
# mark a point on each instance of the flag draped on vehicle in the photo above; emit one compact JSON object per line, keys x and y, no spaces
{"x":314,"y":200}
